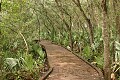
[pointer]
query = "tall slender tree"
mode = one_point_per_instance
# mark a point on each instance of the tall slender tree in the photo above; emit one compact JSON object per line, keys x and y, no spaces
{"x":67,"y":24}
{"x":89,"y":23}
{"x":105,"y":33}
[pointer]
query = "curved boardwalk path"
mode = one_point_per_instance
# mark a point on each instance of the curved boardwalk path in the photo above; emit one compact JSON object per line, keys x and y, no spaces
{"x":67,"y":66}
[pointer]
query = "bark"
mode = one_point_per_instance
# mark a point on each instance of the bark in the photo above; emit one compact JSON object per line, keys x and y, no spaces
{"x":68,"y":25}
{"x":70,"y":34}
{"x":113,"y":52}
{"x":118,"y":25}
{"x":106,"y":66}
{"x":117,"y":17}
{"x":89,"y":23}
{"x":0,"y":5}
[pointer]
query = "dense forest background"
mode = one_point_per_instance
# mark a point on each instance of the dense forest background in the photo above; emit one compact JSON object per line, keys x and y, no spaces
{"x":89,"y":28}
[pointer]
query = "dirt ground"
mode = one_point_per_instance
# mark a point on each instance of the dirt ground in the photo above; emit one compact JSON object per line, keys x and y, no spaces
{"x":67,"y":66}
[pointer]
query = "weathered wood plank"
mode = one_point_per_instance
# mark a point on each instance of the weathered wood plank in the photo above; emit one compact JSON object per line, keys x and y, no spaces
{"x":67,"y":66}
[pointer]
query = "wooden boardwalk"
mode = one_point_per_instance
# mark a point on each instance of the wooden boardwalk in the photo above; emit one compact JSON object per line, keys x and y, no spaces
{"x":67,"y":66}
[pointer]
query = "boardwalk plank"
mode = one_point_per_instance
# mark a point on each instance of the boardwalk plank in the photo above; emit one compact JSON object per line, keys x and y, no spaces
{"x":67,"y":66}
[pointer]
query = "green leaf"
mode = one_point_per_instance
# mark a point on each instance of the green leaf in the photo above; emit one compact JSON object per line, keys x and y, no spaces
{"x":11,"y":62}
{"x":29,"y":62}
{"x":117,"y":45}
{"x":87,"y":50}
{"x":117,"y":53}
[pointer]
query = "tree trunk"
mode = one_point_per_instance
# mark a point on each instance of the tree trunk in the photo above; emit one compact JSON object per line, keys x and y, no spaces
{"x":105,"y":33}
{"x":68,"y":25}
{"x":117,"y":17}
{"x":117,"y":20}
{"x":89,"y":23}
{"x":0,"y":5}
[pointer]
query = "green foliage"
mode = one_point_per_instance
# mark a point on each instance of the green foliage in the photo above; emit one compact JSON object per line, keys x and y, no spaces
{"x":11,"y":63}
{"x":45,"y":21}
{"x":24,"y":62}
{"x":28,"y":62}
{"x":99,"y":61}
{"x":116,"y":64}
{"x":37,"y":52}
{"x":117,"y":53}
{"x":87,"y":53}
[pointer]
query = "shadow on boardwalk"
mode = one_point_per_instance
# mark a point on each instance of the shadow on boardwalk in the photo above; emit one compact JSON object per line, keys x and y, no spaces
{"x":67,"y":66}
